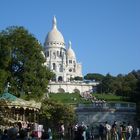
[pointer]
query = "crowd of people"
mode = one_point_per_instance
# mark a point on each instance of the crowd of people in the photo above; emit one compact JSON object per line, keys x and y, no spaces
{"x":102,"y":131}
{"x":25,"y":132}
{"x":107,"y":131}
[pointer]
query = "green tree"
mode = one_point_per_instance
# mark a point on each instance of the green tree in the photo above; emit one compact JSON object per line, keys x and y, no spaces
{"x":55,"y":113}
{"x":77,"y":78}
{"x":126,"y":84}
{"x":22,"y":62}
{"x":107,"y":85}
{"x":94,"y":76}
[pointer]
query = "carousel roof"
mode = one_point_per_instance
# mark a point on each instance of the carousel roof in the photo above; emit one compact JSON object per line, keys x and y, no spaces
{"x":8,"y":96}
{"x":9,"y":100}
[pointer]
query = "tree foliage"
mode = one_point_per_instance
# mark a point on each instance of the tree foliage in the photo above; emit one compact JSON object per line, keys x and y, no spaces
{"x":22,"y":63}
{"x":94,"y":76}
{"x":123,"y":85}
{"x":55,"y":113}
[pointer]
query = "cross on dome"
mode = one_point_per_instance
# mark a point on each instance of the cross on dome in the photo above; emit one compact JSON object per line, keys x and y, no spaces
{"x":69,"y":44}
{"x":54,"y":22}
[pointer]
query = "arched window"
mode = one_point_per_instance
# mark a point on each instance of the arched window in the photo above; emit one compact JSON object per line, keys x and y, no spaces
{"x":47,"y":53}
{"x":58,"y":53}
{"x":61,"y":54}
{"x":54,"y":66}
{"x":60,"y":68}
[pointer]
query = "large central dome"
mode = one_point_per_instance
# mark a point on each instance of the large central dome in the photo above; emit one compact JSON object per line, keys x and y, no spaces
{"x":54,"y":37}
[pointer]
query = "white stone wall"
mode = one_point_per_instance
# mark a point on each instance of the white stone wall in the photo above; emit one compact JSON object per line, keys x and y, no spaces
{"x":70,"y":87}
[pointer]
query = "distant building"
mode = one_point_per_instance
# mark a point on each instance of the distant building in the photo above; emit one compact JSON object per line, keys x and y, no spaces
{"x":62,"y":61}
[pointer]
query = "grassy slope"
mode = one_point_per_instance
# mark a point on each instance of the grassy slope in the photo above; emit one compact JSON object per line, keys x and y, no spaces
{"x":75,"y":98}
{"x":108,"y":97}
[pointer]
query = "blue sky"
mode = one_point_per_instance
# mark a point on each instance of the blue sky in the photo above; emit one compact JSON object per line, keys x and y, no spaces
{"x":105,"y":34}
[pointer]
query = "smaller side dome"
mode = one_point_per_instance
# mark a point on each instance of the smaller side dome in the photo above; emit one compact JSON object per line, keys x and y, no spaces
{"x":70,"y":52}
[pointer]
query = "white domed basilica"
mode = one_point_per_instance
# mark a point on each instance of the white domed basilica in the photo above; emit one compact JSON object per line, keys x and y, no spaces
{"x":62,"y":61}
{"x":59,"y":59}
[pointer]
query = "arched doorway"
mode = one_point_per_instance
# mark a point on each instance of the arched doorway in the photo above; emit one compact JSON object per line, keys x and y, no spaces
{"x":60,"y":78}
{"x":61,"y":90}
{"x":76,"y":90}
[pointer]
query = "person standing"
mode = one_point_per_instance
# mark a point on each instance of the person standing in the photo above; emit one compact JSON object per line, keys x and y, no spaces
{"x":79,"y":135}
{"x":101,"y":132}
{"x":62,"y":131}
{"x":129,"y":130}
{"x":114,"y":131}
{"x":123,"y":131}
{"x":92,"y":133}
{"x":4,"y":136}
{"x":107,"y":130}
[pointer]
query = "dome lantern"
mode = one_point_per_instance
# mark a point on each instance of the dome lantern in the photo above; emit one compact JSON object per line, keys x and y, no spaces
{"x":54,"y":37}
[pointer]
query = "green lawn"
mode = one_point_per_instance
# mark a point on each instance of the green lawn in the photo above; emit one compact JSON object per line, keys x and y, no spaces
{"x":75,"y":98}
{"x":108,"y":97}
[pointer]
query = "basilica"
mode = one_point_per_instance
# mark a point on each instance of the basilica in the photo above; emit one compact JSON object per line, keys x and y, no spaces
{"x":61,"y":60}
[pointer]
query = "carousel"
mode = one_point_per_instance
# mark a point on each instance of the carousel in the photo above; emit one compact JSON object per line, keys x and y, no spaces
{"x":14,"y":110}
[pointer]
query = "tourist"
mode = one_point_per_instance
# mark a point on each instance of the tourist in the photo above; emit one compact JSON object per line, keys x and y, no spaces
{"x":23,"y":135}
{"x":107,"y":130}
{"x":62,"y":131}
{"x":87,"y":133}
{"x":4,"y":136}
{"x":75,"y":130}
{"x":50,"y":133}
{"x":129,"y":131}
{"x":79,"y":135}
{"x":70,"y":130}
{"x":114,"y":132}
{"x":84,"y":130}
{"x":92,"y":133}
{"x":101,"y":132}
{"x":12,"y":133}
{"x":123,"y":131}
{"x":45,"y":135}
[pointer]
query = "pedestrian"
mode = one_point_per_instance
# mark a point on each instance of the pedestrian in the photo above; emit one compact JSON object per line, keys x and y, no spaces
{"x":79,"y":135}
{"x":62,"y":131}
{"x":12,"y":133}
{"x":123,"y":131}
{"x":50,"y":133}
{"x":4,"y":136}
{"x":87,"y":133}
{"x":92,"y":133}
{"x":129,"y":131}
{"x":101,"y":132}
{"x":107,"y":130}
{"x":114,"y":131}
